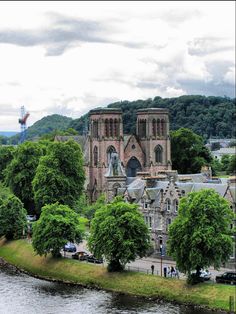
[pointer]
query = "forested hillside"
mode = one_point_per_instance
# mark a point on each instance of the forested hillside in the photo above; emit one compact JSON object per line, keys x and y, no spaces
{"x":207,"y":116}
{"x":44,"y":126}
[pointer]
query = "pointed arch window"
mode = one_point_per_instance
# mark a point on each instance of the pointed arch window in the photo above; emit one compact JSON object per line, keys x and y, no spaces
{"x":116,"y":128}
{"x":110,"y":150}
{"x":168,"y":204}
{"x":176,"y":205}
{"x":158,"y":127}
{"x":95,"y":156}
{"x":163,"y":127}
{"x":154,"y":127}
{"x":158,"y":154}
{"x":111,"y":128}
{"x":106,"y":128}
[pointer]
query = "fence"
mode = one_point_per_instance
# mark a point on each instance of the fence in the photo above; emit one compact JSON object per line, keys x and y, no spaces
{"x":142,"y":270}
{"x":232,"y":304}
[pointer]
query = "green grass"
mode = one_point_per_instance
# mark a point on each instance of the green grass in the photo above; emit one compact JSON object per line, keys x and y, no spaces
{"x":21,"y":254}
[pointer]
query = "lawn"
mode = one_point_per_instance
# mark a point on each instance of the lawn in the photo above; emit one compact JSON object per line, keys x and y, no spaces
{"x":21,"y":254}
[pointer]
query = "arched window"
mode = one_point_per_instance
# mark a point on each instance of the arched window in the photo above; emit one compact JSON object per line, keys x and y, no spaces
{"x":106,"y":128}
{"x":158,"y":154}
{"x":163,"y":127}
{"x":158,"y":127}
{"x":95,"y":129}
{"x":110,"y":150}
{"x":111,"y":128}
{"x":168,"y":204}
{"x":154,"y":127}
{"x":95,"y":156}
{"x":176,"y":205}
{"x":116,"y":128}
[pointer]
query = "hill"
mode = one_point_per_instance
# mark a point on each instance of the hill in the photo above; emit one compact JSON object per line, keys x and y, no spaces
{"x":207,"y":116}
{"x":7,"y":134}
{"x":44,"y":126}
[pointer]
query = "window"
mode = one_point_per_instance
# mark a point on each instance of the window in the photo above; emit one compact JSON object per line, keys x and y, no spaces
{"x":176,"y":205}
{"x":145,"y":205}
{"x":116,"y":133}
{"x":154,"y":127}
{"x":158,"y":154}
{"x":168,"y":205}
{"x":95,"y":156}
{"x":158,"y":127}
{"x":168,"y":222}
{"x":111,"y":128}
{"x":110,"y":150}
{"x":106,"y":128}
{"x":163,"y":126}
{"x":150,"y":222}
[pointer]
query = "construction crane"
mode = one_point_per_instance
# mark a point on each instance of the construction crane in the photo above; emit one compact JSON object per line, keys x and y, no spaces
{"x":22,"y":121}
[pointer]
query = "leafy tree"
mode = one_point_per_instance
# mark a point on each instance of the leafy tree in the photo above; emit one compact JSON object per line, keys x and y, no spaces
{"x":232,"y":165}
{"x":13,"y":221}
{"x":3,"y":140}
{"x":6,"y":155}
{"x":57,"y":225}
{"x":200,"y":236}
{"x":60,"y":175}
{"x":119,"y":233}
{"x":225,"y":161}
{"x":216,"y":166}
{"x":188,"y":151}
{"x":90,"y":210}
{"x":21,"y":171}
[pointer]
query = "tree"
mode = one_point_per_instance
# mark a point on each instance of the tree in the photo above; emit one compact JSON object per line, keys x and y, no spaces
{"x":119,"y":233}
{"x":200,"y":236}
{"x":57,"y":225}
{"x":6,"y":155}
{"x":13,"y":223}
{"x":232,"y":165}
{"x":60,"y":175}
{"x":90,"y":210}
{"x":188,"y":151}
{"x":21,"y":171}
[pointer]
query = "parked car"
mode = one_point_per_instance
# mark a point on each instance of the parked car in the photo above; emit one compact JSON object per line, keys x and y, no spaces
{"x":81,"y":255}
{"x":93,"y":259}
{"x":69,"y":247}
{"x":31,"y":218}
{"x":228,"y":277}
{"x":205,"y":275}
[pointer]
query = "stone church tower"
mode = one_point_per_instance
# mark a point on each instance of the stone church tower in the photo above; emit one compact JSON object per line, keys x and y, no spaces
{"x":105,"y":137}
{"x":152,"y":130}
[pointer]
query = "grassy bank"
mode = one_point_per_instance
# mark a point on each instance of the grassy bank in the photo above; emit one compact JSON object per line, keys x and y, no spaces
{"x":21,"y":254}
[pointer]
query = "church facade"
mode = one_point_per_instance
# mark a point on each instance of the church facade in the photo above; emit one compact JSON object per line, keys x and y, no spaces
{"x":147,"y":151}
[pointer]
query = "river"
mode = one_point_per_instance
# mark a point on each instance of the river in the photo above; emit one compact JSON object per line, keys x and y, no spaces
{"x":22,"y":294}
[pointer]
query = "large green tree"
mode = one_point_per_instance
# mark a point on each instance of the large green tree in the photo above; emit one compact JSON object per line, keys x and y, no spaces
{"x":60,"y":175}
{"x":200,"y":235}
{"x":13,"y":223}
{"x":119,"y":233}
{"x":6,"y":155}
{"x":232,"y":165}
{"x":57,"y":225}
{"x":188,"y":152}
{"x":21,"y":171}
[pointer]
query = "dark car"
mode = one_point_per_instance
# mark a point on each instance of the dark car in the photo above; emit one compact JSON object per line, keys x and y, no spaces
{"x":69,"y":247}
{"x":81,"y":256}
{"x":93,"y":259}
{"x":228,"y":277}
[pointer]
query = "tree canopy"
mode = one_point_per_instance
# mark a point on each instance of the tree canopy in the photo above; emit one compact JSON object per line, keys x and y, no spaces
{"x":188,"y":152}
{"x":57,"y":225}
{"x":200,"y":236}
{"x":119,"y":233}
{"x":6,"y":155}
{"x":21,"y":171}
{"x":60,"y":175}
{"x":13,"y":223}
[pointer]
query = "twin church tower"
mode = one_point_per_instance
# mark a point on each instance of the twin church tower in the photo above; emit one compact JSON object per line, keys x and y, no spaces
{"x":148,"y":151}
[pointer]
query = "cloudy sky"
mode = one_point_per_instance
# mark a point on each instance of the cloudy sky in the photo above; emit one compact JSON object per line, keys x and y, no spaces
{"x":69,"y":57}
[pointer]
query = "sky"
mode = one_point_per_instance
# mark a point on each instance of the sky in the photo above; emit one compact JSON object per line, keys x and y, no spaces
{"x":69,"y":57}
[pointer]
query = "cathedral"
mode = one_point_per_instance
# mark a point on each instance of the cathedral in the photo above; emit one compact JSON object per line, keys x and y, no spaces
{"x":147,"y":151}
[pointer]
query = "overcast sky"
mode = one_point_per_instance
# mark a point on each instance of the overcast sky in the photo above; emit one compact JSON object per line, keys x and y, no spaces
{"x":69,"y":57}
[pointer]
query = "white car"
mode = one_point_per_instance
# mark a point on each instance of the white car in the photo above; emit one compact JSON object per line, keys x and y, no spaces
{"x":205,"y":274}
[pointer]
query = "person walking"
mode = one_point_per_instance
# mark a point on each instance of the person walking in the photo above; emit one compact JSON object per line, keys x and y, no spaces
{"x":172,"y":271}
{"x":152,"y":268}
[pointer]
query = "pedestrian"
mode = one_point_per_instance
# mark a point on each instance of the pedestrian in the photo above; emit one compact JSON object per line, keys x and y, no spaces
{"x":168,"y":271}
{"x":152,"y":268}
{"x":176,"y":272}
{"x":172,"y":271}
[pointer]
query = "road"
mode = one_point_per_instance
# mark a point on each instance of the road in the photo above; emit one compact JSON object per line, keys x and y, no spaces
{"x":144,"y":264}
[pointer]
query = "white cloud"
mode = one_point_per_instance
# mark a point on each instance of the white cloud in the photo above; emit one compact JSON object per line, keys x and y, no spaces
{"x":69,"y":57}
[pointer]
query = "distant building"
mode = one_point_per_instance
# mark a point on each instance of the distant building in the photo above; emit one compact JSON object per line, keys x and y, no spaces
{"x":224,"y":151}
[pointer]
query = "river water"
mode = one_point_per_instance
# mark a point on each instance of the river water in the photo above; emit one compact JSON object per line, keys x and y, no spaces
{"x":22,"y":294}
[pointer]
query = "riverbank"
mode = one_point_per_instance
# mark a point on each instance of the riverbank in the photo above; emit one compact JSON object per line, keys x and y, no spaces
{"x":21,"y":254}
